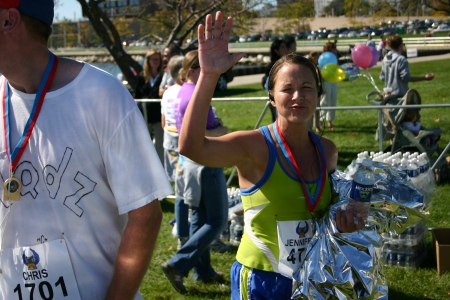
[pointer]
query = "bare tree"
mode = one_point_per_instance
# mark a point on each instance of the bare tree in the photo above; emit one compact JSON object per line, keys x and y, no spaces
{"x":295,"y":15}
{"x":178,"y":19}
{"x":439,"y":5}
{"x":169,"y":21}
{"x":106,"y":30}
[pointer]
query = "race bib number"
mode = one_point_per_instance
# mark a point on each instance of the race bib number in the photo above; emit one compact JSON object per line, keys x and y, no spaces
{"x":43,"y":271}
{"x":293,"y":239}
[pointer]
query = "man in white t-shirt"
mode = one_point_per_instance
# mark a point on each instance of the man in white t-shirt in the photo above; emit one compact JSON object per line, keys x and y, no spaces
{"x":79,"y":208}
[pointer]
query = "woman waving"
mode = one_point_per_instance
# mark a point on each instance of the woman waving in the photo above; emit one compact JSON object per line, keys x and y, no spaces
{"x":283,"y":167}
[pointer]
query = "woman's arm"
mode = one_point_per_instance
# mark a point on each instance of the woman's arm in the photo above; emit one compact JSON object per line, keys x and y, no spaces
{"x":214,"y":60}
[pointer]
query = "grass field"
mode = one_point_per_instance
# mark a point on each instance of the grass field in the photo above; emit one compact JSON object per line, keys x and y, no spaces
{"x":355,"y":131}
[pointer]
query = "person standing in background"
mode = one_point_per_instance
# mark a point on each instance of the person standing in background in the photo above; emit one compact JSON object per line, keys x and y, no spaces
{"x":203,"y":188}
{"x":329,"y":99}
{"x":291,"y":44}
{"x":314,"y":57}
{"x":381,"y":46}
{"x":147,"y":87}
{"x":167,"y":81}
{"x":370,"y":42}
{"x":277,"y":50}
{"x":168,"y":103}
{"x":395,"y":69}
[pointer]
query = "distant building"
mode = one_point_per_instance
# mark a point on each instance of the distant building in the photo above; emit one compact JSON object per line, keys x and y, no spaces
{"x":126,"y":8}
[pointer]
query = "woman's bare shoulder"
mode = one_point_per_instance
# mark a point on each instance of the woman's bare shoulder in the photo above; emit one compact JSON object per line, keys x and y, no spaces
{"x":331,"y":153}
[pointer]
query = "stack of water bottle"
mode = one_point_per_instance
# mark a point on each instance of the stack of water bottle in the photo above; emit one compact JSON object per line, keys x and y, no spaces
{"x":408,"y":248}
{"x":235,"y":229}
{"x":416,"y":167}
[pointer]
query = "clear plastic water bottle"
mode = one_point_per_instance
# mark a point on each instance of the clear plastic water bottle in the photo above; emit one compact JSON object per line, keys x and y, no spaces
{"x":238,"y":231}
{"x":232,"y":233}
{"x":413,"y":171}
{"x":362,"y":188}
{"x":404,"y":167}
{"x":425,"y":162}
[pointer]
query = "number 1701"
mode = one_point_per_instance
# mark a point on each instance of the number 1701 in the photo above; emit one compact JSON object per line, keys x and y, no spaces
{"x":44,"y":287}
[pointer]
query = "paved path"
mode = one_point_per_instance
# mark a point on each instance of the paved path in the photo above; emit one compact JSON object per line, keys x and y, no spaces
{"x":256,"y":78}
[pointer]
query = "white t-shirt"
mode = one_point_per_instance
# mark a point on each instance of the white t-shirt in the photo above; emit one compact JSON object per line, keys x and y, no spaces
{"x":168,"y":101}
{"x":89,"y":161}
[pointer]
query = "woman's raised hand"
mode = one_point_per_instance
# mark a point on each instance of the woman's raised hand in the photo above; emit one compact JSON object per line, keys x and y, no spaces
{"x":213,"y":46}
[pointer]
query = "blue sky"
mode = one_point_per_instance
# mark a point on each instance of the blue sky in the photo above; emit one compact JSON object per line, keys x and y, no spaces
{"x":70,"y":9}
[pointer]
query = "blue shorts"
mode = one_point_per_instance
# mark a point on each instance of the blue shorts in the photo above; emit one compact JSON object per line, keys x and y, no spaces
{"x":253,"y":284}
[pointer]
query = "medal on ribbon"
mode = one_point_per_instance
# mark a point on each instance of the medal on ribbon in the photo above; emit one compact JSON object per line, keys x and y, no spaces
{"x":311,"y":200}
{"x":12,"y":185}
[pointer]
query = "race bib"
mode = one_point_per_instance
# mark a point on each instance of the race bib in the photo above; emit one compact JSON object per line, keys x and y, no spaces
{"x":293,"y":239}
{"x":43,"y":271}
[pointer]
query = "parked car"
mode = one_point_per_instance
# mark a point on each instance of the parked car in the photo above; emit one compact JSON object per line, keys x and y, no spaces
{"x":343,"y":34}
{"x":353,"y":34}
{"x":300,"y":35}
{"x":324,"y":33}
{"x":312,"y":35}
{"x":436,"y":24}
{"x":390,"y":31}
{"x":233,"y":39}
{"x":376,"y":32}
{"x":441,"y":28}
{"x":333,"y":34}
{"x":224,"y":79}
{"x":254,"y":38}
{"x":364,"y":33}
{"x":243,"y":38}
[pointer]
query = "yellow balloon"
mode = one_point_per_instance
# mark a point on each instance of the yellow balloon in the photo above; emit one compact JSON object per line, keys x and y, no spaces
{"x":333,"y":73}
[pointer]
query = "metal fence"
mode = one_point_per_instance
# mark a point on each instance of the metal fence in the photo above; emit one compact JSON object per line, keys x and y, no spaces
{"x":422,"y":41}
{"x":378,"y":107}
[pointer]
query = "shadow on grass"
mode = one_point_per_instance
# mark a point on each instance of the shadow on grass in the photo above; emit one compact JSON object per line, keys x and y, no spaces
{"x":351,"y":129}
{"x":167,"y":206}
{"x":201,"y":292}
{"x":345,"y":158}
{"x":394,"y":294}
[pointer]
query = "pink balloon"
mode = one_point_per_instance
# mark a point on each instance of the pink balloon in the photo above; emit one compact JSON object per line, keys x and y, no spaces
{"x":362,"y":56}
{"x":375,"y":56}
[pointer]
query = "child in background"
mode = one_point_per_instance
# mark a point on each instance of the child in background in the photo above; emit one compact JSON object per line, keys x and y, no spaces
{"x":411,"y":121}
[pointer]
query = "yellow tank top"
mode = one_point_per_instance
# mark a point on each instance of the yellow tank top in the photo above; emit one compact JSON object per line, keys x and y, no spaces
{"x":276,"y":197}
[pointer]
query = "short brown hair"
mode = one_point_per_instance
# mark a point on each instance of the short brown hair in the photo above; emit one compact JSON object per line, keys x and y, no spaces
{"x":329,"y":47}
{"x":395,"y":42}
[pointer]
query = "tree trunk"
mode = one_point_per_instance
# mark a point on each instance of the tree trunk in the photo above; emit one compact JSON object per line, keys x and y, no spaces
{"x":112,"y":41}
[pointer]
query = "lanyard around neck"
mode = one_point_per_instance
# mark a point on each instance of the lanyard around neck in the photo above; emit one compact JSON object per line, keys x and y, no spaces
{"x":312,"y":201}
{"x":15,"y":156}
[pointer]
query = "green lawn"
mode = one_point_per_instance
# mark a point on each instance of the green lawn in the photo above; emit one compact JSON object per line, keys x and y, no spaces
{"x":354,"y":133}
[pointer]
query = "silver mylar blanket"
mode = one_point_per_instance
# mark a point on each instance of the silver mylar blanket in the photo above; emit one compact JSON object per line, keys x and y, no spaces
{"x":349,"y":265}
